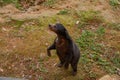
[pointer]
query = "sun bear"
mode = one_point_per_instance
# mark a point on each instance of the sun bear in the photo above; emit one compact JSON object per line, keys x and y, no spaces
{"x":67,"y":51}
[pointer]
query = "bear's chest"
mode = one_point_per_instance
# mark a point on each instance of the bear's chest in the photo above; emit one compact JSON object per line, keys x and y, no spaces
{"x":62,"y":46}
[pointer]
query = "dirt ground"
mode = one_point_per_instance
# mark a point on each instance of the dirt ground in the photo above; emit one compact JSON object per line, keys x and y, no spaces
{"x":9,"y":12}
{"x":31,"y":61}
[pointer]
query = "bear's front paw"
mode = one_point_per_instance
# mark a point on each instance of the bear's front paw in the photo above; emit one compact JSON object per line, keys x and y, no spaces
{"x":59,"y":65}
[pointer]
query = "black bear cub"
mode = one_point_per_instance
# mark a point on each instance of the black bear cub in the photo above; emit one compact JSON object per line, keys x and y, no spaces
{"x":66,"y":49}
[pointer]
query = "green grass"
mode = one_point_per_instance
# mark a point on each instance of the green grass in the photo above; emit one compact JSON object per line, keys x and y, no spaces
{"x":114,"y":26}
{"x":49,"y":3}
{"x":53,"y":19}
{"x":115,"y":3}
{"x":15,"y":2}
{"x":89,"y":16}
{"x":92,"y":52}
{"x":116,"y":60}
{"x":64,"y":12}
{"x":3,"y":43}
{"x":100,"y":31}
{"x":41,"y":78}
{"x":42,"y":68}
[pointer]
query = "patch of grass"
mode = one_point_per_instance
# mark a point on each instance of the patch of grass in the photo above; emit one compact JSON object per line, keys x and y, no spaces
{"x":44,"y":21}
{"x":16,"y":33}
{"x":37,"y":66}
{"x":115,"y":3}
{"x":15,"y":2}
{"x":3,"y":43}
{"x":42,"y":68}
{"x":115,"y":26}
{"x":49,"y":3}
{"x":89,"y":38}
{"x":20,"y":28}
{"x":32,"y":66}
{"x":92,"y":52}
{"x":64,"y":12}
{"x":100,"y":31}
{"x":87,"y":41}
{"x":89,"y":16}
{"x":116,"y":59}
{"x":18,"y":24}
{"x":82,"y":25}
{"x":41,"y":78}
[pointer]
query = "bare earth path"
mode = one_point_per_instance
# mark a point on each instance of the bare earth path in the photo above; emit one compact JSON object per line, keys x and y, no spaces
{"x":10,"y":12}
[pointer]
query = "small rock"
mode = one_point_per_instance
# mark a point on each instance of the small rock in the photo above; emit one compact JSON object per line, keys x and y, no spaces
{"x":1,"y":70}
{"x":14,"y":46}
{"x":46,"y":44}
{"x":77,"y":22}
{"x":4,"y":29}
{"x":55,"y":64}
{"x":110,"y":77}
{"x":118,"y":71}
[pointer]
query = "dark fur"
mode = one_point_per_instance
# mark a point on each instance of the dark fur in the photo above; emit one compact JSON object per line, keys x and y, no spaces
{"x":66,"y":49}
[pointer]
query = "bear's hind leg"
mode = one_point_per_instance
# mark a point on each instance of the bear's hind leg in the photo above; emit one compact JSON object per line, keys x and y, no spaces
{"x":74,"y":67}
